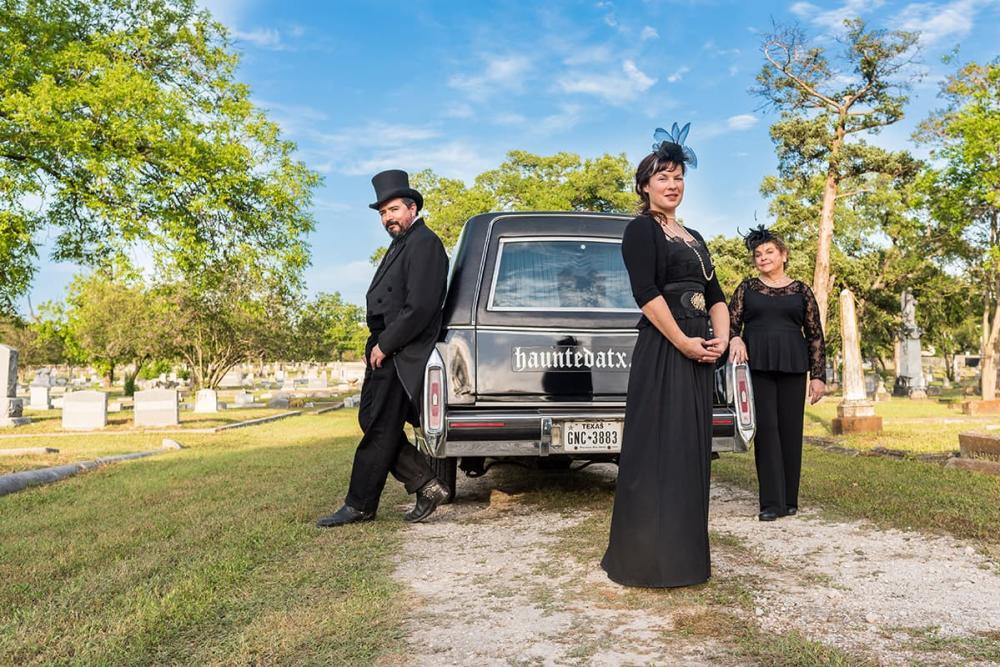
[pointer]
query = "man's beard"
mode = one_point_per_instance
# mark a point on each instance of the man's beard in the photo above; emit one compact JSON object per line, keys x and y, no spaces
{"x":393,"y":230}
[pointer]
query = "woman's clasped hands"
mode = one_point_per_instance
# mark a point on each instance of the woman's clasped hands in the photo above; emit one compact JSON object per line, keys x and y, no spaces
{"x":702,"y":350}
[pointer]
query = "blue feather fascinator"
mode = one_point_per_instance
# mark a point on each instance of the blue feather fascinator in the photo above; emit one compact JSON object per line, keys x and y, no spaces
{"x":669,"y":146}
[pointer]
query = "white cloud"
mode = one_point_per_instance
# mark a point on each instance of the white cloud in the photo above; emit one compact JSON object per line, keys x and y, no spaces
{"x":350,"y":278}
{"x":378,"y":134}
{"x":833,"y":19}
{"x":648,"y":32}
{"x":678,"y":74}
{"x":613,"y":87}
{"x":460,"y":110}
{"x":509,"y":118}
{"x":500,"y":73}
{"x":742,"y":121}
{"x":937,"y":22}
{"x":229,"y":12}
{"x":588,"y":54}
{"x":456,"y":159}
{"x":565,"y":119}
{"x":265,"y":38}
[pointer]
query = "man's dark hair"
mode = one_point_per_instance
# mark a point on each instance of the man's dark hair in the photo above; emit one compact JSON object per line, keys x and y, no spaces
{"x":407,"y":202}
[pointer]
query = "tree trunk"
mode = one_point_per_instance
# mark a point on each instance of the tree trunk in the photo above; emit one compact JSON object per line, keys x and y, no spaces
{"x":987,"y":359}
{"x":821,"y":275}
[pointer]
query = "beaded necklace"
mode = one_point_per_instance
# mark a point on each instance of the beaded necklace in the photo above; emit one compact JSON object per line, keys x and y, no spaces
{"x":670,"y":235}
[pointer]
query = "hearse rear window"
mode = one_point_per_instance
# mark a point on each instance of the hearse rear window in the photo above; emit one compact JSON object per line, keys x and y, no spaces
{"x":553,"y":274}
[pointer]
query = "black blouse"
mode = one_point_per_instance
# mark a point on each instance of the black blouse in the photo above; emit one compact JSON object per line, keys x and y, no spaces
{"x":780,"y":327}
{"x":655,"y":262}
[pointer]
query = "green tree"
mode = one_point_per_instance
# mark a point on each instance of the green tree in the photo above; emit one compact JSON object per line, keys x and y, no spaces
{"x":822,"y":105}
{"x":963,"y":190}
{"x":232,"y":318}
{"x":329,"y":328}
{"x":114,"y":322}
{"x":528,"y":182}
{"x":124,"y":118}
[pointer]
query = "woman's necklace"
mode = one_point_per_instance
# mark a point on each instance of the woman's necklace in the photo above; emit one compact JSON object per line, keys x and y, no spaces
{"x":671,"y":235}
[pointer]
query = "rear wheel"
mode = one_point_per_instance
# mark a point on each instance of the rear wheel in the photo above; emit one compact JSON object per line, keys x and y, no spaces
{"x":446,"y":470}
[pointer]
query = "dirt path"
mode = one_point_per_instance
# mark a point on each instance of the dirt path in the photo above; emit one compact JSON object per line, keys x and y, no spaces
{"x":508,"y":579}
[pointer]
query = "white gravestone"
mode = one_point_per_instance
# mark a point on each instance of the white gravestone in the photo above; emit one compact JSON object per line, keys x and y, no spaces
{"x":85,"y":411}
{"x":243,"y":398}
{"x":11,"y":407}
{"x":232,"y":378}
{"x":40,"y":398}
{"x":206,"y":400}
{"x":157,"y":407}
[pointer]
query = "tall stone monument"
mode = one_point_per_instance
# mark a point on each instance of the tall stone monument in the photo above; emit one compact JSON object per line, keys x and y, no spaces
{"x":855,"y":413}
{"x":11,"y":407}
{"x":909,"y":373}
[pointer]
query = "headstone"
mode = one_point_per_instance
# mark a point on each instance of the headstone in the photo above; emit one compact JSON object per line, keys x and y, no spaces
{"x":157,"y":407}
{"x":279,"y":401}
{"x":11,"y":407}
{"x":279,"y":375}
{"x":40,"y":398}
{"x":232,"y":378}
{"x":206,"y":400}
{"x":288,"y":384}
{"x":855,"y":413}
{"x":881,"y":393}
{"x":243,"y":398}
{"x":85,"y":411}
{"x":43,"y":378}
{"x":910,"y":379}
{"x":318,"y":382}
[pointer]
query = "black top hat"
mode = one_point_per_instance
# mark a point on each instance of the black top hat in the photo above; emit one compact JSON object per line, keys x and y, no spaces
{"x":392,"y":184}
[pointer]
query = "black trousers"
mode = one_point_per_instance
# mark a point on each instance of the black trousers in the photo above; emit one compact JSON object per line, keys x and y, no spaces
{"x":384,"y":448}
{"x":779,"y":400}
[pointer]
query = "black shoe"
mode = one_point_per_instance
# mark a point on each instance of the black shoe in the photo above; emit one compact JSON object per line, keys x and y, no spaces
{"x":343,"y":516}
{"x":768,"y":515}
{"x":791,"y":511}
{"x":430,"y":495}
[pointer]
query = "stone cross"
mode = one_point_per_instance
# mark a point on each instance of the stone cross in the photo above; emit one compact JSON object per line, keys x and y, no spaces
{"x":855,"y":413}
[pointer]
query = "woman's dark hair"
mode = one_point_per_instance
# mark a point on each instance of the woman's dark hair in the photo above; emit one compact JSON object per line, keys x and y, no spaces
{"x":653,"y":164}
{"x":760,"y":235}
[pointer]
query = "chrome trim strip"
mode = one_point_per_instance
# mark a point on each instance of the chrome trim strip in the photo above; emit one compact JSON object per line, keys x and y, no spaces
{"x":545,"y":404}
{"x":532,"y":330}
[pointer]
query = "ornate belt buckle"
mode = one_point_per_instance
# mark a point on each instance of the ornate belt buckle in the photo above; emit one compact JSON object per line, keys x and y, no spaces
{"x":697,"y":300}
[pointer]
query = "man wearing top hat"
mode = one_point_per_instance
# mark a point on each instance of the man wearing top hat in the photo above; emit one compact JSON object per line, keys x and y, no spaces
{"x":404,"y":304}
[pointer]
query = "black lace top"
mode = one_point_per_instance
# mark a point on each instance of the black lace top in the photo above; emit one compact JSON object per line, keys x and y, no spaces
{"x":780,"y":327}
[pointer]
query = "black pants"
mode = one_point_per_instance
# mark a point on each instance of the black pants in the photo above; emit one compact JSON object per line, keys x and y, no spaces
{"x":384,"y":447}
{"x":779,"y":399}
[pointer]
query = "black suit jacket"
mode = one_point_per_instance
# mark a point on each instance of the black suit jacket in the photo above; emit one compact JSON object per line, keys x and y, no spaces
{"x":407,"y":295}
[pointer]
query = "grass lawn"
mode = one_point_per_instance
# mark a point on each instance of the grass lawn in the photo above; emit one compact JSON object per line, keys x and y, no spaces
{"x":202,"y":556}
{"x":50,"y":421}
{"x":921,"y":426}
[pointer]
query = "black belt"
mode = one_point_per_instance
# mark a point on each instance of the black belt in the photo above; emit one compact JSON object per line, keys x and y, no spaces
{"x":686,"y":304}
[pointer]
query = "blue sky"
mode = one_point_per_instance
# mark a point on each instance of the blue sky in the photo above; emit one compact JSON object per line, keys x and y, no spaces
{"x":452,"y":86}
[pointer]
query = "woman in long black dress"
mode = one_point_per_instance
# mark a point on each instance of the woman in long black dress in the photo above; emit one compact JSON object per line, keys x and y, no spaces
{"x":659,"y":527}
{"x":783,"y":339}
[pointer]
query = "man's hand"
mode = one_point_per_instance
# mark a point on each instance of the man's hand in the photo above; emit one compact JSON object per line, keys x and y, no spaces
{"x":377,"y":357}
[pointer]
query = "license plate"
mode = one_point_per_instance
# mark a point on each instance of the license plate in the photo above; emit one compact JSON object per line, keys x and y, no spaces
{"x":592,"y":436}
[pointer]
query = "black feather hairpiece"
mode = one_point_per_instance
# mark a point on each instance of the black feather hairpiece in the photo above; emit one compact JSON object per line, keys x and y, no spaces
{"x":756,"y":236}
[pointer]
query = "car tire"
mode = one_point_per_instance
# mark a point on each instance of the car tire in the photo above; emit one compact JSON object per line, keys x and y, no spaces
{"x":446,"y":470}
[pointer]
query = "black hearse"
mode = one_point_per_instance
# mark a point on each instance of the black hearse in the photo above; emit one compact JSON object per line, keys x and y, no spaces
{"x":536,"y":346}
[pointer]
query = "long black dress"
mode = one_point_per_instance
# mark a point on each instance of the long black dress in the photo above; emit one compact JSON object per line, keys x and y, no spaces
{"x":659,"y":526}
{"x":781,"y":329}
